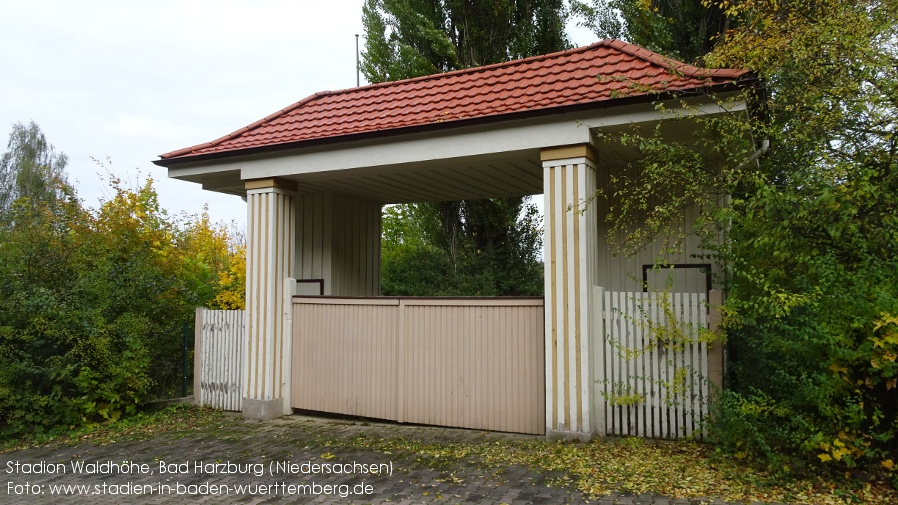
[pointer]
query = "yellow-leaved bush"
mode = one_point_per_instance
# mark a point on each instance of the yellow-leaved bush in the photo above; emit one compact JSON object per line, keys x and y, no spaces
{"x":94,"y":304}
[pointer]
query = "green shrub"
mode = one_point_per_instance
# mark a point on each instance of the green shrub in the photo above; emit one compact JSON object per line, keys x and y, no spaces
{"x":92,"y":306}
{"x":816,"y":383}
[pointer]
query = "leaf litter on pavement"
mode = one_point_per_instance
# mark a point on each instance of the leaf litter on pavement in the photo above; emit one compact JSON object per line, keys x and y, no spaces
{"x":677,"y":469}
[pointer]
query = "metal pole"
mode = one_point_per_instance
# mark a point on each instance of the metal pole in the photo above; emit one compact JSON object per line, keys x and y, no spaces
{"x":184,"y":368}
{"x":357,"y":67}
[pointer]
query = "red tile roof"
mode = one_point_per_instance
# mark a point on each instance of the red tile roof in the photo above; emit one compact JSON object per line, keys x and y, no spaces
{"x":602,"y":74}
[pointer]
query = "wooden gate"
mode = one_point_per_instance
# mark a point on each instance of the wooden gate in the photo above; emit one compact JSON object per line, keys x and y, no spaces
{"x":464,"y":362}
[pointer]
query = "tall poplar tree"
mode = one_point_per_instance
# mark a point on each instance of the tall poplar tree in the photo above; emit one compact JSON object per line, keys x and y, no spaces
{"x":411,"y":38}
{"x":482,"y":247}
{"x":682,"y":29}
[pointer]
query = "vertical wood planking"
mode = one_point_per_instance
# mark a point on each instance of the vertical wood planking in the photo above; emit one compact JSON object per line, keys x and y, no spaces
{"x":670,"y":376}
{"x":694,"y":379}
{"x":570,"y":250}
{"x":337,"y":347}
{"x":550,"y":231}
{"x":630,"y":321}
{"x":458,"y":363}
{"x":614,"y":309}
{"x":678,"y":365}
{"x":700,"y":374}
{"x":611,"y":361}
{"x":600,"y":352}
{"x":637,"y":352}
{"x":270,"y":245}
{"x":607,"y":341}
{"x":338,"y":240}
{"x":658,"y":416}
{"x":451,"y":362}
{"x":221,"y":359}
{"x":705,"y":352}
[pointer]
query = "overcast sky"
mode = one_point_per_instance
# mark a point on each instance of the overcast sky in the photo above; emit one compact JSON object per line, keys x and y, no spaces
{"x":129,"y":80}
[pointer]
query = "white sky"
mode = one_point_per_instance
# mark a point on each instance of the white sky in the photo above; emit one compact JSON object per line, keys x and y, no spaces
{"x":129,"y":80}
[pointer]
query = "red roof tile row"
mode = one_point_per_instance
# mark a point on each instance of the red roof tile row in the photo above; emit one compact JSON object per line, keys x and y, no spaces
{"x":598,"y":74}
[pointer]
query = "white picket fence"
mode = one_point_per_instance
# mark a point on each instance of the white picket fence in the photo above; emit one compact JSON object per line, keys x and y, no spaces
{"x":654,"y":377}
{"x":219,"y":351}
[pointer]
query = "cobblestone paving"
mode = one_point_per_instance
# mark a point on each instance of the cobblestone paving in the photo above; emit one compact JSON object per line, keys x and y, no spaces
{"x":145,"y":474}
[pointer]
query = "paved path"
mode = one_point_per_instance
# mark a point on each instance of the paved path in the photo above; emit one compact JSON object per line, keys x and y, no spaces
{"x":240,"y":464}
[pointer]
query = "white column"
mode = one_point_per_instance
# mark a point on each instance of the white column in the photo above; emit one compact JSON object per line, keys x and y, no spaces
{"x":572,"y":350}
{"x":269,"y":263}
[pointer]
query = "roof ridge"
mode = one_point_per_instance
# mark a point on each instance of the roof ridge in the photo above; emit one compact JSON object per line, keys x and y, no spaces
{"x":471,"y":70}
{"x":673,"y":64}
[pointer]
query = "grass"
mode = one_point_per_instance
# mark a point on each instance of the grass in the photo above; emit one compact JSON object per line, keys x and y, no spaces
{"x":177,"y":418}
{"x":631,"y":465}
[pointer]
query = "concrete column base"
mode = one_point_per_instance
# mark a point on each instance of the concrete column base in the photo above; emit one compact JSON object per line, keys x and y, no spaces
{"x":569,"y":435}
{"x":263,"y":410}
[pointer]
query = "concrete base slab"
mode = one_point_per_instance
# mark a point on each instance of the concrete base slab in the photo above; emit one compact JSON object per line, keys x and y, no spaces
{"x":263,"y":410}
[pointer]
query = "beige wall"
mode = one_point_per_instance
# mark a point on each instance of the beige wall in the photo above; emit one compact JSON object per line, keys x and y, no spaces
{"x":338,"y":240}
{"x":619,"y":272}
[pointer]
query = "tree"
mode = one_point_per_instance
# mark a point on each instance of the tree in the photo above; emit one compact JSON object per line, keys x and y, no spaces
{"x":30,"y":168}
{"x":814,"y":239}
{"x":93,"y":302}
{"x":807,"y":235}
{"x":214,"y":262}
{"x":411,"y":38}
{"x":493,"y":253}
{"x":483,"y":247}
{"x":682,"y":29}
